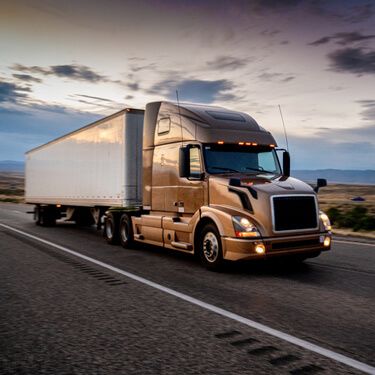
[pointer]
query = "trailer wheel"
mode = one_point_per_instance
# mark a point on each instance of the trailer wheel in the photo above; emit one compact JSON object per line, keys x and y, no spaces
{"x":210,"y":249}
{"x":111,"y":232}
{"x":126,"y":231}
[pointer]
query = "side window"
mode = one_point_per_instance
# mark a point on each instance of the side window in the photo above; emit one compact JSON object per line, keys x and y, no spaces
{"x":266,"y":161}
{"x":195,"y":162}
{"x":164,"y":125}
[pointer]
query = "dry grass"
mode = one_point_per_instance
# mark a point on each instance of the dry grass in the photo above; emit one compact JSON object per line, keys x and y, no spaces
{"x":12,"y":187}
{"x":340,"y":196}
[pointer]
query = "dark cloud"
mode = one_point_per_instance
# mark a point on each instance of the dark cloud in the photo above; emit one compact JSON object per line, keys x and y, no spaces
{"x":227,"y":63}
{"x":71,"y":71}
{"x":272,"y":76}
{"x":195,"y":90}
{"x":360,"y":13}
{"x":343,"y":38}
{"x":95,"y":98}
{"x":133,"y":86}
{"x":26,"y":78}
{"x":24,"y":128}
{"x":368,"y":111}
{"x":10,"y":92}
{"x":353,"y":60}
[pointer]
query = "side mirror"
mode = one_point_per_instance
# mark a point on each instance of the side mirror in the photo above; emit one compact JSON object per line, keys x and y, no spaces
{"x":184,"y":162}
{"x":286,"y":164}
{"x":320,"y":182}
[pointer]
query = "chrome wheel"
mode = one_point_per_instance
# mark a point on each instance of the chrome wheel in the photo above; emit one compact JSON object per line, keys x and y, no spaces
{"x":210,"y":247}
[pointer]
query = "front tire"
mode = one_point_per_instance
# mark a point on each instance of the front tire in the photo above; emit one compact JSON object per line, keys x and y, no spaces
{"x":110,"y":230}
{"x":210,"y":249}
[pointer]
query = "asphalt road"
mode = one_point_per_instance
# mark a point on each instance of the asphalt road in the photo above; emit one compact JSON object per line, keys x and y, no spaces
{"x":61,"y":314}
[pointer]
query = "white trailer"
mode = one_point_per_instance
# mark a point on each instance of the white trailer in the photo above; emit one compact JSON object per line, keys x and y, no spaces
{"x":99,"y":165}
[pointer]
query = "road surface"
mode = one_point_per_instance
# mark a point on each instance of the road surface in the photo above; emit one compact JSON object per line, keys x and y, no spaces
{"x":75,"y":305}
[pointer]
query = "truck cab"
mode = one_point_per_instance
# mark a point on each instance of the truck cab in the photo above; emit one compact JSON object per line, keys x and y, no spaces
{"x":213,"y":186}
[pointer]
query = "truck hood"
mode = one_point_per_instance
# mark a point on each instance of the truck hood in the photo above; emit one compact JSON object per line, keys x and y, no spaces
{"x":252,"y":194}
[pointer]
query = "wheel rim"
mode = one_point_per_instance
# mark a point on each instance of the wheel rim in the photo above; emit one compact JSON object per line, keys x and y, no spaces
{"x":108,"y":229}
{"x":210,"y":247}
{"x":124,"y":232}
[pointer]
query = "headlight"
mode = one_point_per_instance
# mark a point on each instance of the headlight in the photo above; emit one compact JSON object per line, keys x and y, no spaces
{"x":244,"y":227}
{"x":325,"y":220}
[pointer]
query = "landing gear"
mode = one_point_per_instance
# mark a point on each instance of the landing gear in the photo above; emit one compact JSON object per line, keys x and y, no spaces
{"x":45,"y":216}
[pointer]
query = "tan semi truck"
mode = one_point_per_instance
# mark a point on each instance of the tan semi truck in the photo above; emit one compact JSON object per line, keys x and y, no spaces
{"x":207,"y":181}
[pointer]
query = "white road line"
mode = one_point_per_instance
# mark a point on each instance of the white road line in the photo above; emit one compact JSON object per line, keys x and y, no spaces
{"x":354,"y":243}
{"x":238,"y":318}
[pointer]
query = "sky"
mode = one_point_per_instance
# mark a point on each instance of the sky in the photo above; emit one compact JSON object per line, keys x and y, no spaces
{"x":66,"y":64}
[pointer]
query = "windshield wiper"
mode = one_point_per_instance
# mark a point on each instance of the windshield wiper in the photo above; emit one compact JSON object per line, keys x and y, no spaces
{"x":259,"y":170}
{"x":225,"y":169}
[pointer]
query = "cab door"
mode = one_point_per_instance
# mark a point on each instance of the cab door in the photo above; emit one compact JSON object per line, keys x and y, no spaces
{"x":192,"y":189}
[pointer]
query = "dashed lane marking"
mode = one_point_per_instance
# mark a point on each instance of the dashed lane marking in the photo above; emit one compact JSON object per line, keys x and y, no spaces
{"x":238,"y":318}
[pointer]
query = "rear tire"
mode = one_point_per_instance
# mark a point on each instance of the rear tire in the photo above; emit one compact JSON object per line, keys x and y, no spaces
{"x":210,"y":249}
{"x":111,"y":229}
{"x":126,"y":231}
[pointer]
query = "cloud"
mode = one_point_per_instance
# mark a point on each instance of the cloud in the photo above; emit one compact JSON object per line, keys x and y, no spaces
{"x":95,"y":98}
{"x":368,"y":112}
{"x":343,"y":38}
{"x":195,"y":90}
{"x":70,"y":71}
{"x":227,"y":63}
{"x":273,"y":76}
{"x":11,"y":92}
{"x":353,"y":60}
{"x":26,"y":78}
{"x":133,"y":86}
{"x":27,"y":127}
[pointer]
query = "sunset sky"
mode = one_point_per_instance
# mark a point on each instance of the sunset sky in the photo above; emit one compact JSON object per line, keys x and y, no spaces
{"x":66,"y":63}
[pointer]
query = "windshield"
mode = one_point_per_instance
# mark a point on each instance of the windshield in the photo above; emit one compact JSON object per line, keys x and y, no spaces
{"x":243,"y":159}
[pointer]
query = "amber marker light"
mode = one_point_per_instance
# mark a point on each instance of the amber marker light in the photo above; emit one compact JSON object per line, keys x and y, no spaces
{"x":254,"y":144}
{"x":272,"y":146}
{"x":58,"y":205}
{"x":260,"y":249}
{"x":220,"y":142}
{"x":241,"y":143}
{"x":248,"y":143}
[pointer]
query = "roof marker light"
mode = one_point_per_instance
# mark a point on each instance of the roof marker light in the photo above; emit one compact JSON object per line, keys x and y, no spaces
{"x":220,"y":142}
{"x":272,"y":145}
{"x":241,"y":143}
{"x":248,"y":143}
{"x":254,"y":144}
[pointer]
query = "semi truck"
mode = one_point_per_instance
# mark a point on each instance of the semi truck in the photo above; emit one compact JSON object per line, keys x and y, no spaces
{"x":199,"y":179}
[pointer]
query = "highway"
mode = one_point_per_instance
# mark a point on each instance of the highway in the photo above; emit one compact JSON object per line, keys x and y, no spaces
{"x":71,"y":304}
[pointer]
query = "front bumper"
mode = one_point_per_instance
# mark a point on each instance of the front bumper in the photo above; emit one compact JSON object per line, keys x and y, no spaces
{"x":242,"y":249}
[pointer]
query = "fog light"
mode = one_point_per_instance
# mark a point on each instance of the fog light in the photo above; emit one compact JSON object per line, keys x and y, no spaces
{"x":260,"y":249}
{"x":327,"y":241}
